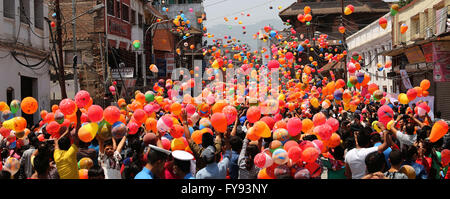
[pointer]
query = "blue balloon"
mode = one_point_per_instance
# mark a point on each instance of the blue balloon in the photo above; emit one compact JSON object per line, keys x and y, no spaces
{"x":321,"y":49}
{"x":182,"y":15}
{"x":200,"y":127}
{"x":116,"y":124}
{"x":163,"y":9}
{"x":273,"y":33}
{"x":300,"y":48}
{"x":184,"y":37}
{"x":306,"y":96}
{"x":191,"y":129}
{"x":242,"y":119}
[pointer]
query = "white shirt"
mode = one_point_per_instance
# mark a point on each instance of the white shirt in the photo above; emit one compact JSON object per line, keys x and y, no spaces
{"x":405,"y":139}
{"x":110,"y":165}
{"x":355,"y":158}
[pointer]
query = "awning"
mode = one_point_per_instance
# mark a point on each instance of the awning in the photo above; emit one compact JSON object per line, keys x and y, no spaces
{"x":331,"y":65}
{"x":334,"y":7}
{"x":163,"y":40}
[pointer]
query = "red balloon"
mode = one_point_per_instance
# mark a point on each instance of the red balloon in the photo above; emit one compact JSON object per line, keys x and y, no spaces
{"x":132,"y":127}
{"x":253,"y":114}
{"x":319,"y":119}
{"x":269,"y":121}
{"x":82,"y":98}
{"x":219,"y":122}
{"x":334,"y":124}
{"x":140,"y":115}
{"x":53,"y":127}
{"x":95,"y":113}
{"x":310,"y":154}
{"x":230,"y":113}
{"x":295,"y":153}
{"x":67,"y":106}
{"x":111,"y":114}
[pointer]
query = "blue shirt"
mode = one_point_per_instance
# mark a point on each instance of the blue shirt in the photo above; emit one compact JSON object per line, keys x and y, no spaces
{"x":189,"y":176}
{"x":386,"y":154}
{"x":233,"y":165}
{"x":215,"y":170}
{"x":144,"y":174}
{"x":421,"y":173}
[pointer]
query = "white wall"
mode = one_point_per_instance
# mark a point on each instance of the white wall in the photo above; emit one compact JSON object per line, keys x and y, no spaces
{"x":10,"y":70}
{"x":369,"y":42}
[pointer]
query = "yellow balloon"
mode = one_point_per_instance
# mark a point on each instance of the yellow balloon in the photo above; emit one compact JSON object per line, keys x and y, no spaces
{"x":314,"y":102}
{"x":403,"y":98}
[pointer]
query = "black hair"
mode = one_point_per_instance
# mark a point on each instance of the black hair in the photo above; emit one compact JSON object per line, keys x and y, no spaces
{"x":184,"y":166}
{"x":363,"y":138}
{"x":250,"y":153}
{"x":42,"y":159}
{"x":349,"y":143}
{"x":310,"y":137}
{"x":108,"y":142}
{"x":375,"y":162}
{"x":5,"y":174}
{"x":34,"y":141}
{"x":96,"y":172}
{"x":410,"y":128}
{"x":84,"y":144}
{"x":396,"y":157}
{"x":236,"y":143}
{"x":207,"y":140}
{"x":374,"y":138}
{"x":64,"y":143}
{"x":338,"y":153}
{"x":410,"y":152}
{"x":154,"y":156}
{"x":431,"y":151}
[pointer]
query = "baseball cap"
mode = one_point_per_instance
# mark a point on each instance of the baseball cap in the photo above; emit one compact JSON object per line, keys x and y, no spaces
{"x":208,"y":154}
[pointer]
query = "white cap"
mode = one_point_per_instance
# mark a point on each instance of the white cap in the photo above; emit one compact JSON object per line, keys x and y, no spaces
{"x":153,"y":147}
{"x":182,"y":155}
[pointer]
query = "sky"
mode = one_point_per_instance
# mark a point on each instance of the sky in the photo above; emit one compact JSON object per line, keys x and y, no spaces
{"x":259,"y":11}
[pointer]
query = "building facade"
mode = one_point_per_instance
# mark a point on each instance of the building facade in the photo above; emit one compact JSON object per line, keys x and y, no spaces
{"x":369,"y":42}
{"x":24,"y":53}
{"x":422,"y":51}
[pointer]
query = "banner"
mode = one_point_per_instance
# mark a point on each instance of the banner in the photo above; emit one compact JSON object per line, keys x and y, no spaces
{"x":405,"y":79}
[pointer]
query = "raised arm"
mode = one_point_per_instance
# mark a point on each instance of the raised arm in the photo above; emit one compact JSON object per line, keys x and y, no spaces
{"x":121,"y":144}
{"x":187,"y":133}
{"x":76,"y":139}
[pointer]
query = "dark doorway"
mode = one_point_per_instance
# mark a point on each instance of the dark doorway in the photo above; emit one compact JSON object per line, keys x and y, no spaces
{"x":28,"y":89}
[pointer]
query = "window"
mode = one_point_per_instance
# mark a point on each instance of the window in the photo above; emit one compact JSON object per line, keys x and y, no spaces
{"x":385,"y":89}
{"x":9,"y":95}
{"x":118,"y":9}
{"x":39,"y":14}
{"x":133,"y":17}
{"x":384,"y":75}
{"x":125,"y":13}
{"x":376,"y":74}
{"x":68,"y":57}
{"x":110,"y":9}
{"x":140,"y":20}
{"x":9,"y":8}
{"x":24,"y":11}
{"x":415,"y":25}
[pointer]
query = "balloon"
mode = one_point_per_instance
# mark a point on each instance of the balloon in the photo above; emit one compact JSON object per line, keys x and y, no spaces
{"x":383,"y":22}
{"x":314,"y":102}
{"x":12,"y":165}
{"x":230,"y":113}
{"x":177,"y":131}
{"x":82,"y":98}
{"x":29,"y":105}
{"x":263,"y":160}
{"x":261,"y":129}
{"x":273,"y":64}
{"x":294,"y":126}
{"x":164,"y":124}
{"x":105,"y":132}
{"x":342,"y":29}
{"x":425,"y":84}
{"x":67,"y":106}
{"x":132,"y":128}
{"x":175,"y":108}
{"x":334,"y":141}
{"x":372,"y":88}
{"x":95,"y":113}
{"x":20,"y":124}
{"x":440,"y":128}
{"x":411,"y":94}
{"x":319,"y":119}
{"x":83,"y":174}
{"x":310,"y":154}
{"x":403,"y":28}
{"x":333,"y":123}
{"x":177,"y":144}
{"x":307,"y":9}
{"x":150,"y":124}
{"x":136,"y":44}
{"x":119,"y":130}
{"x":85,"y":163}
{"x":385,"y":114}
{"x":269,"y":121}
{"x":307,"y":125}
{"x":111,"y":114}
{"x":219,"y":122}
{"x":349,"y":9}
{"x":281,"y":135}
{"x":253,"y":114}
{"x":88,"y":132}
{"x":445,"y":157}
{"x":403,"y":98}
{"x":14,"y":106}
{"x":280,"y":156}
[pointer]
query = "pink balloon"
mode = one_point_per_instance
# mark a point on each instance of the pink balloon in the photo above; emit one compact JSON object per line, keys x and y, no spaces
{"x":148,"y":108}
{"x":319,"y":119}
{"x":294,"y":126}
{"x":230,"y":113}
{"x":334,"y":124}
{"x":82,"y":98}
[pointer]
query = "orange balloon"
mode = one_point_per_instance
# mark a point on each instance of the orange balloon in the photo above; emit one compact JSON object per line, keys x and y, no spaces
{"x":29,"y":105}
{"x":150,"y":124}
{"x":83,"y":173}
{"x":425,"y":84}
{"x":440,"y":128}
{"x":54,"y":108}
{"x":307,"y":125}
{"x":251,"y":134}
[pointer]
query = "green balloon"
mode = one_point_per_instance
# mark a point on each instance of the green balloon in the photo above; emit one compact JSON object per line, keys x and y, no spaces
{"x":349,"y":84}
{"x":14,"y":106}
{"x":393,"y":12}
{"x":308,"y":23}
{"x":149,"y":97}
{"x":137,"y":45}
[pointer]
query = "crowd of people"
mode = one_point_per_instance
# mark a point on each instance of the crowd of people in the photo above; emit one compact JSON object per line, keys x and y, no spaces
{"x":196,"y":149}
